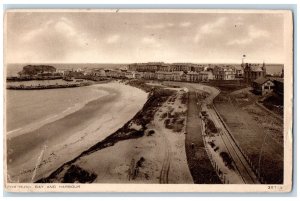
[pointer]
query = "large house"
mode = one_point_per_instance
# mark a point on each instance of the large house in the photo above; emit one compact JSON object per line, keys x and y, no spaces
{"x":206,"y":75}
{"x":239,"y":72}
{"x":149,"y":75}
{"x":224,"y":73}
{"x":262,"y":85}
{"x":115,"y":73}
{"x":253,"y":71}
{"x":149,"y":67}
{"x":194,"y":77}
{"x":186,"y":67}
{"x":129,"y":74}
{"x":138,"y":75}
{"x":178,"y":75}
{"x":162,"y":75}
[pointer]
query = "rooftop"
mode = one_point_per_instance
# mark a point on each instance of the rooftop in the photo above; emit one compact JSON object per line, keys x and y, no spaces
{"x":261,"y":80}
{"x":277,"y":79}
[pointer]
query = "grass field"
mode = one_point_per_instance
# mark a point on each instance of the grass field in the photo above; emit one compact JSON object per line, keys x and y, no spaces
{"x":259,"y":134}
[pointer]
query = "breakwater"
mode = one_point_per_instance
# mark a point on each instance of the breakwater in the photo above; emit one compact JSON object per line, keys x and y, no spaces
{"x":39,"y":87}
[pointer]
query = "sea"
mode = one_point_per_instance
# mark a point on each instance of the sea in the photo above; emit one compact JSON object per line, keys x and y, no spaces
{"x":13,"y":68}
{"x":27,"y":108}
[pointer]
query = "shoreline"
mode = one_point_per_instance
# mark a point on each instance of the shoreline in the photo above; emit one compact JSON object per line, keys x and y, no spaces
{"x":67,"y":136}
{"x":55,"y":117}
{"x":52,"y":86}
{"x":143,"y":150}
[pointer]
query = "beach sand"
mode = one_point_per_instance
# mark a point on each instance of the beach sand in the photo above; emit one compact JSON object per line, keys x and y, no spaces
{"x":152,"y":158}
{"x":35,"y":154}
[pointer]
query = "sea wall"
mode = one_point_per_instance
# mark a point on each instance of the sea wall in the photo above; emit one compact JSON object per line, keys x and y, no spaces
{"x":38,"y":87}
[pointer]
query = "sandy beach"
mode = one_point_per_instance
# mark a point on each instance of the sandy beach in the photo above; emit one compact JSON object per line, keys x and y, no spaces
{"x":163,"y":154}
{"x":34,"y":154}
{"x":144,"y":150}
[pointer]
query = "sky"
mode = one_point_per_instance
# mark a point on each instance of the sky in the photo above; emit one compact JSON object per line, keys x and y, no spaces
{"x":119,"y":37}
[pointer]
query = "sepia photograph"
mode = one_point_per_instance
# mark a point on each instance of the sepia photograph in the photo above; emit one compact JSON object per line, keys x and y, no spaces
{"x":148,"y":100}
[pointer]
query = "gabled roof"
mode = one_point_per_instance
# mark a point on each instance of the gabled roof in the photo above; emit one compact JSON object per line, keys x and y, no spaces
{"x":261,"y":80}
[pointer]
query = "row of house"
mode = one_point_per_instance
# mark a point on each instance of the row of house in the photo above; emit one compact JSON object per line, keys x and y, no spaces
{"x":219,"y":71}
{"x":190,"y":76}
{"x":179,"y":72}
{"x":254,"y":74}
{"x":159,"y":75}
{"x":161,"y":66}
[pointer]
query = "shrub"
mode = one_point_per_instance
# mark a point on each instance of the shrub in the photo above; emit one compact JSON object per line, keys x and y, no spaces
{"x":226,"y":159}
{"x":150,"y":133}
{"x":77,"y":174}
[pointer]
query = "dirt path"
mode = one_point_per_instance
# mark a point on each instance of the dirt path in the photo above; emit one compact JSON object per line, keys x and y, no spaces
{"x":164,"y":173}
{"x":241,"y":91}
{"x":174,"y":168}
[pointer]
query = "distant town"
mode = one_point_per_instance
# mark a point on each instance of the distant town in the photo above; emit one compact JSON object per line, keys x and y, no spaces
{"x":253,"y":74}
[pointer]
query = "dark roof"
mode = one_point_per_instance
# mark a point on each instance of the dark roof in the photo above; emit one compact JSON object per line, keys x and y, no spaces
{"x":255,"y":67}
{"x":261,"y":80}
{"x":277,"y":79}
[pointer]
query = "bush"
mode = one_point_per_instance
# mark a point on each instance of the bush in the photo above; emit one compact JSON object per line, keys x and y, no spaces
{"x":150,"y":133}
{"x":164,"y":115}
{"x":211,"y":126}
{"x":184,"y":98}
{"x":167,"y":124}
{"x":77,"y":174}
{"x":226,"y":159}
